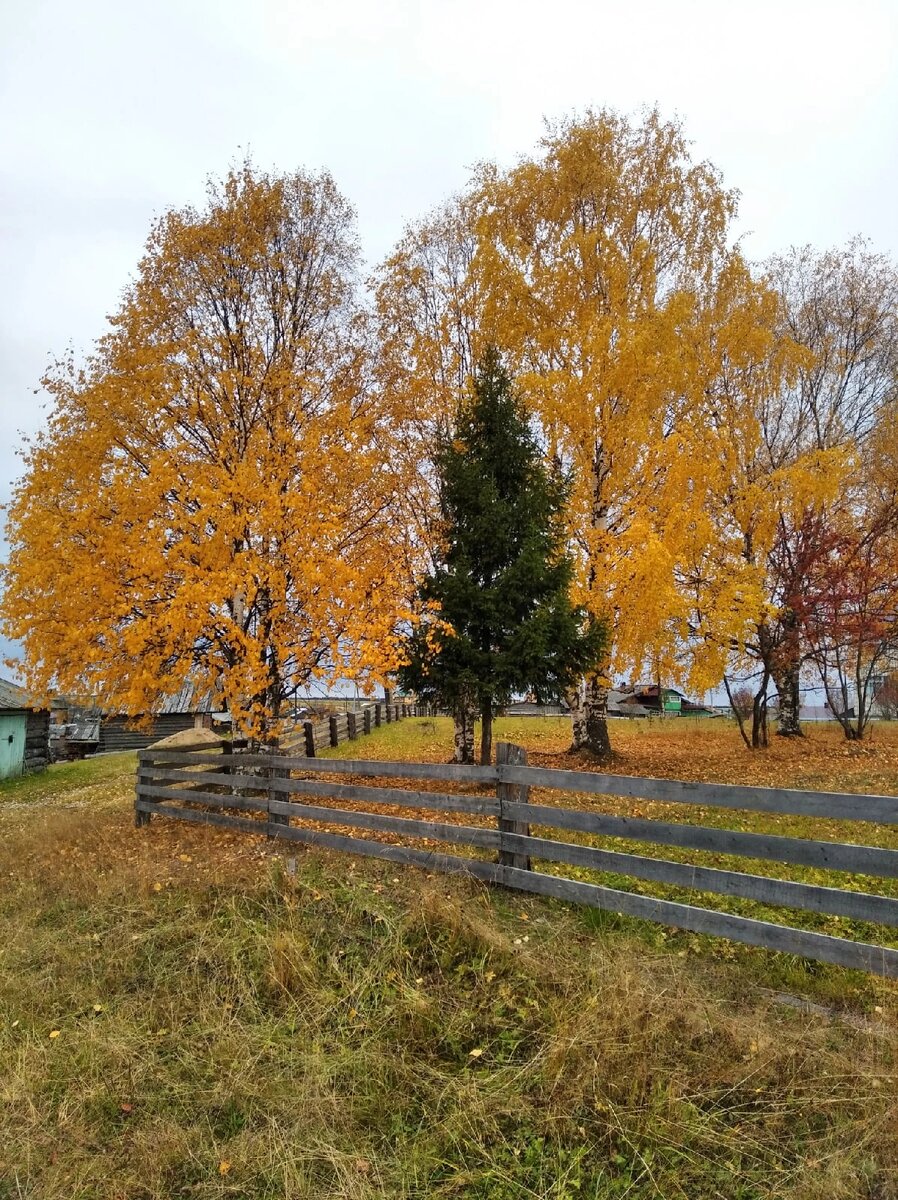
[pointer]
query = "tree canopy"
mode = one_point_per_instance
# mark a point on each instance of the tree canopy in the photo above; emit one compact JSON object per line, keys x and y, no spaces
{"x":209,"y":500}
{"x":246,"y":481}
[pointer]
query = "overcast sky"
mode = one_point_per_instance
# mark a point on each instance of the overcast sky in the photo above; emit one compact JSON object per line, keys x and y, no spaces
{"x":113,"y":111}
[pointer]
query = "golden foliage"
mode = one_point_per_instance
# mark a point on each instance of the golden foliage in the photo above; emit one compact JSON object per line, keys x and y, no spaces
{"x":209,"y":501}
{"x":606,"y":272}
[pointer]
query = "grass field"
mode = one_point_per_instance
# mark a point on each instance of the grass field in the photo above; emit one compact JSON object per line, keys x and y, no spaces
{"x":183,"y":1016}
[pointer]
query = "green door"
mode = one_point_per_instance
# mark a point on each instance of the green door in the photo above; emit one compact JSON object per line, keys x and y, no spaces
{"x":12,"y":744}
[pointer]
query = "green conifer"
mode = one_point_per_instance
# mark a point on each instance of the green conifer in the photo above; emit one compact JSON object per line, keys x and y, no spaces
{"x":502,"y":582}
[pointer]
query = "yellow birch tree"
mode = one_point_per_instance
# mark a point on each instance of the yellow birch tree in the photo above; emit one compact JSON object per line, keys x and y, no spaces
{"x":209,"y":500}
{"x":593,"y":258}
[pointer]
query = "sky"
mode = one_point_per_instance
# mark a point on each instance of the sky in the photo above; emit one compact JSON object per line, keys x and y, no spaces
{"x":114,"y":110}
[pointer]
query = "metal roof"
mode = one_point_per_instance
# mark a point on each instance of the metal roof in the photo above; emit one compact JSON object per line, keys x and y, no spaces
{"x":13,"y":696}
{"x":188,"y":700}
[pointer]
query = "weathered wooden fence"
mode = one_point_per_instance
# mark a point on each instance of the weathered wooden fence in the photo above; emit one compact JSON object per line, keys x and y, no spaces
{"x":310,"y":737}
{"x":281,"y":793}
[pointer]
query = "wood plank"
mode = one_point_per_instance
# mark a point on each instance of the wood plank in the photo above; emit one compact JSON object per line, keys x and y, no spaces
{"x":151,"y":758}
{"x":820,"y":946}
{"x":860,"y":906}
{"x":455,"y":772}
{"x":239,"y":781}
{"x":835,"y":805}
{"x":437,"y":830}
{"x":883,"y":809}
{"x":429,"y":860}
{"x":447,"y":802}
{"x":201,"y":817}
{"x":214,"y":799}
{"x":835,"y":856}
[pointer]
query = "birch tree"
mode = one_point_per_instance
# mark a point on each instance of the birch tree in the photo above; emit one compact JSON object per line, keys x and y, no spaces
{"x":209,"y":500}
{"x":592,"y":259}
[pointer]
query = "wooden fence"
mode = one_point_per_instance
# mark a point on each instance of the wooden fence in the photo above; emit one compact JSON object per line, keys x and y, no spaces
{"x":273,"y":792}
{"x":309,"y":737}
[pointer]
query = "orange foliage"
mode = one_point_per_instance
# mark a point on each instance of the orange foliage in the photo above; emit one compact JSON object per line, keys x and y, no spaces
{"x":209,"y":500}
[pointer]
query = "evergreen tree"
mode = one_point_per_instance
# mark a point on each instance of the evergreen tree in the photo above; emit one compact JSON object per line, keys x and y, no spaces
{"x":498,"y":615}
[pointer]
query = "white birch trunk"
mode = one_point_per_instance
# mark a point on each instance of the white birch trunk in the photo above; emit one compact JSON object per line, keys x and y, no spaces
{"x":464,"y":717}
{"x":589,"y":717}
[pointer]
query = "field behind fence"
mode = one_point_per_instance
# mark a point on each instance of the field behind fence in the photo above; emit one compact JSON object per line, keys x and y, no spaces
{"x":488,"y":812}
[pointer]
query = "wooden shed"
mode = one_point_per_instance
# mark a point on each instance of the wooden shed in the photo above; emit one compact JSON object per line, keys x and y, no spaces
{"x":187,"y":709}
{"x":24,"y":732}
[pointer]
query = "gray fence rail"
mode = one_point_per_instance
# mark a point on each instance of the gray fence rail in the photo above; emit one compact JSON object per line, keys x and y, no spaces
{"x":280,"y":791}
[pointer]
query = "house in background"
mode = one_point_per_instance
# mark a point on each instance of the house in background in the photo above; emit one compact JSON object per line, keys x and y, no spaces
{"x":74,"y":729}
{"x":187,"y":709}
{"x":650,"y":700}
{"x":24,"y":732}
{"x":639,"y":700}
{"x":80,"y":729}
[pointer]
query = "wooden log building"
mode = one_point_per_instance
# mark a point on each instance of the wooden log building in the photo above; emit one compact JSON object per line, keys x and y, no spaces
{"x":24,"y":732}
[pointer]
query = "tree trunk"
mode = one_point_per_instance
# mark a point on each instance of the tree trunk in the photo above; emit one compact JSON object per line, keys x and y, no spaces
{"x":589,"y":717}
{"x":788,"y":723}
{"x":737,"y":713}
{"x":578,"y":715}
{"x":788,"y":680}
{"x":464,"y":717}
{"x":486,"y":733}
{"x":759,"y":715}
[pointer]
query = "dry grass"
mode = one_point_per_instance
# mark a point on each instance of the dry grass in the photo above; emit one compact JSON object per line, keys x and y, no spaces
{"x":229,"y":1029}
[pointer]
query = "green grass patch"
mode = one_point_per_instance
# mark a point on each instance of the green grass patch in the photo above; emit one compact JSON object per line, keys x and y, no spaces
{"x":63,"y":779}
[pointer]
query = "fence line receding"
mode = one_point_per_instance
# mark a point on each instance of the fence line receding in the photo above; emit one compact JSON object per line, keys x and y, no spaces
{"x":491,"y":818}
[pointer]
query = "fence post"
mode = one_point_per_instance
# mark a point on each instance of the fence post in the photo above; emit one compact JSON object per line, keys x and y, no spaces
{"x":377,"y":716}
{"x":351,"y":727}
{"x":144,"y":775}
{"x":366,"y":720}
{"x":387,"y":714}
{"x":335,"y":737}
{"x":508,"y":754}
{"x":308,"y":729}
{"x":275,"y":772}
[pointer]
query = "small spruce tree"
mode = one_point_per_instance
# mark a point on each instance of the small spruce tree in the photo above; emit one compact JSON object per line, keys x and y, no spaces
{"x":498,"y":618}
